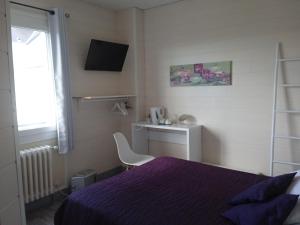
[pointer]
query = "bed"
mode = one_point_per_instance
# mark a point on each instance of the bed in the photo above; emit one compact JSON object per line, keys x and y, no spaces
{"x":165,"y":191}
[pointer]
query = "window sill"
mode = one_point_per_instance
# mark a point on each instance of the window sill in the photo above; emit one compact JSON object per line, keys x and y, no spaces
{"x":36,"y":135}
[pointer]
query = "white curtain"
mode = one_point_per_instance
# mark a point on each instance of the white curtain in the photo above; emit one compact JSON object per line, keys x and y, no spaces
{"x":59,"y":44}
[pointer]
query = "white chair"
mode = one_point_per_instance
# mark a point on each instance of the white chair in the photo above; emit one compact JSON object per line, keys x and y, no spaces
{"x":126,"y":155}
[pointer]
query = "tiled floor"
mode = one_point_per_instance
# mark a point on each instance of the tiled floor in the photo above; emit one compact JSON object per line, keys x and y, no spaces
{"x":44,"y":215}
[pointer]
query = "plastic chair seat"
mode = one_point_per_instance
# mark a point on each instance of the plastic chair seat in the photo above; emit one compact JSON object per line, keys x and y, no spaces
{"x":126,"y":155}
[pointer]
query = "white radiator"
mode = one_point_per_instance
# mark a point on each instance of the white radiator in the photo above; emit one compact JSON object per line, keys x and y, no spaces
{"x":37,"y":172}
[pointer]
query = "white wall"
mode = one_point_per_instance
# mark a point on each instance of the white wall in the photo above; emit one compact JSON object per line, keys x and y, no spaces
{"x":130,"y":26}
{"x":237,"y":118}
{"x":93,"y":122}
{"x":11,"y":207}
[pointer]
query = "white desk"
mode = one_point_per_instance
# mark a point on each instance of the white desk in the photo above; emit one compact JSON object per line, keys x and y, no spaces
{"x":189,"y":135}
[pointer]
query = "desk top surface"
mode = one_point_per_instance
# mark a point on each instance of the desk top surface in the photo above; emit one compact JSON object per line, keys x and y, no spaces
{"x":183,"y":127}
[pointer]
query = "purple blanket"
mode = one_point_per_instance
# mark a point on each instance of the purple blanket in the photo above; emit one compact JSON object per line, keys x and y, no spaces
{"x":165,"y":191}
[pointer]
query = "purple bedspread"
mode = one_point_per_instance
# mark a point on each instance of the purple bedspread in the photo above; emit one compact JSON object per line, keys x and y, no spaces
{"x":165,"y":191}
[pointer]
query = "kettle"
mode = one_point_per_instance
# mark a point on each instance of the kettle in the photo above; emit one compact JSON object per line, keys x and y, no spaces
{"x":157,"y":114}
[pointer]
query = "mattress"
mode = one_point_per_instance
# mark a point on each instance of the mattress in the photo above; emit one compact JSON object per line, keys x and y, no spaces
{"x":165,"y":191}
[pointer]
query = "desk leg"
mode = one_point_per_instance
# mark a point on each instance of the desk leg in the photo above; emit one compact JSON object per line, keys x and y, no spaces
{"x":195,"y":144}
{"x":140,"y":140}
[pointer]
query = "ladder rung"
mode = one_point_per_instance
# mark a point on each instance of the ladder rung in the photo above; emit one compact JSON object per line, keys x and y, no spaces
{"x":288,"y":137}
{"x":289,"y":85}
{"x":288,"y":111}
{"x":287,"y":163}
{"x":287,"y":60}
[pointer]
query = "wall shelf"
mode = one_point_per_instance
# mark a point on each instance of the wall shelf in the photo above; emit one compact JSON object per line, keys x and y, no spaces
{"x":289,"y":60}
{"x":104,"y":98}
{"x":288,"y":111}
{"x":289,"y":85}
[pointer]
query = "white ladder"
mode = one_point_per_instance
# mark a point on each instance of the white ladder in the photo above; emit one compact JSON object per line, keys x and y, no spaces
{"x":278,"y":61}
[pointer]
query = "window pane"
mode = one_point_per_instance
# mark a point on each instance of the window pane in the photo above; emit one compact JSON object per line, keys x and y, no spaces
{"x":33,"y":78}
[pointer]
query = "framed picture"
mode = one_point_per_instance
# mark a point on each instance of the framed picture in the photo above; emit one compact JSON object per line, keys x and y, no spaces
{"x":202,"y":74}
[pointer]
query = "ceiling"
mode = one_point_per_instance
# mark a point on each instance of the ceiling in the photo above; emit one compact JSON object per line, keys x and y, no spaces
{"x":124,"y":4}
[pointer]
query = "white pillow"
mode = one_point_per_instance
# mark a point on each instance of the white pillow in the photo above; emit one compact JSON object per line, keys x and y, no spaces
{"x":294,"y":188}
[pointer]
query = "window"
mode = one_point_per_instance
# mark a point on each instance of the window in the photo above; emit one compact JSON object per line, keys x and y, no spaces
{"x":33,"y":74}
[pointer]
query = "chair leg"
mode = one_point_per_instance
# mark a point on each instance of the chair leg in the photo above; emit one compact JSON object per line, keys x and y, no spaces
{"x":128,"y":167}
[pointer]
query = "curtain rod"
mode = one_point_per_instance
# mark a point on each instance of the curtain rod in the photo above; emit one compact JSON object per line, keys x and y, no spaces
{"x":33,"y":7}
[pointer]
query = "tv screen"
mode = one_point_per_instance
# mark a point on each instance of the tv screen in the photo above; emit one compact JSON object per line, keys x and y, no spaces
{"x":106,"y":56}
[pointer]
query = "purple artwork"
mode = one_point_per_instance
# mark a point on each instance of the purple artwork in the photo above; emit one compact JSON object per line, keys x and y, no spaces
{"x":211,"y":74}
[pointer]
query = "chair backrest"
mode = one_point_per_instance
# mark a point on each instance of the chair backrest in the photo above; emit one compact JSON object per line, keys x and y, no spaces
{"x":125,"y":153}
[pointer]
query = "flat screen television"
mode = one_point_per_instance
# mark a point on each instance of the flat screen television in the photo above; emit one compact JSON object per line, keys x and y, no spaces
{"x":106,"y":56}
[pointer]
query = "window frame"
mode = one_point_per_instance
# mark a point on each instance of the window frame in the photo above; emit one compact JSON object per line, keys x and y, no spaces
{"x":43,"y":132}
{"x":37,"y":134}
